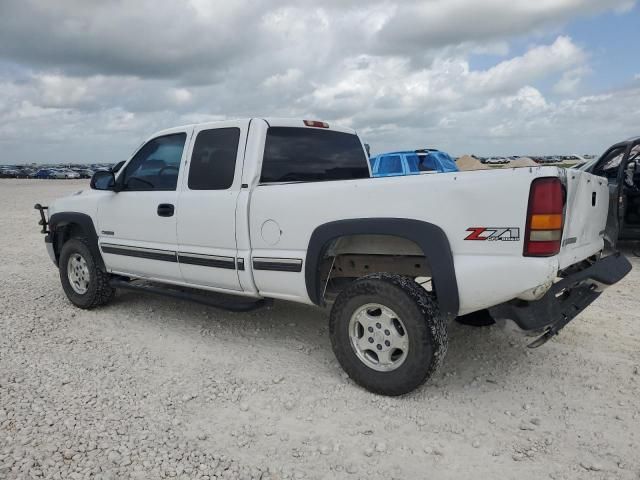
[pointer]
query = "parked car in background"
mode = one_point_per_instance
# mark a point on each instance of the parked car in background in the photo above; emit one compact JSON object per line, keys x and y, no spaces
{"x":69,"y":174}
{"x":42,"y":173}
{"x":9,"y":173}
{"x":64,"y":174}
{"x":85,"y":172}
{"x":412,"y":162}
{"x":435,"y":160}
{"x":25,"y":172}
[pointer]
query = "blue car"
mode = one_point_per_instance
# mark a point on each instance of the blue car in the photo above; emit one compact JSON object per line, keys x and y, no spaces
{"x":42,"y":173}
{"x":411,"y":162}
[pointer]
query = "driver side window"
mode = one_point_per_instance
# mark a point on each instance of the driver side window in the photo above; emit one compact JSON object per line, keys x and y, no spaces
{"x":156,"y":165}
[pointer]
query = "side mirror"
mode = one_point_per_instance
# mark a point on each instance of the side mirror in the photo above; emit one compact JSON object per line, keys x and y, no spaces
{"x":116,"y":168}
{"x":103,"y":180}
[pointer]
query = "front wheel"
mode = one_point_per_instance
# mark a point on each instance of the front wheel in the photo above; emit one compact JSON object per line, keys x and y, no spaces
{"x":84,"y":283}
{"x":387,"y":333}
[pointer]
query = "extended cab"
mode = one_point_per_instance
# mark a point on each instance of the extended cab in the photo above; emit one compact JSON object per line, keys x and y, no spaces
{"x":287,"y":209}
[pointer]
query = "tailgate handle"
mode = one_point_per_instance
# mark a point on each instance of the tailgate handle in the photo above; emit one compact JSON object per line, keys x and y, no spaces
{"x":593,"y":199}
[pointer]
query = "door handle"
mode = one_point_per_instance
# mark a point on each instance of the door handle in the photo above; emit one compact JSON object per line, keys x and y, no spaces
{"x":165,"y":210}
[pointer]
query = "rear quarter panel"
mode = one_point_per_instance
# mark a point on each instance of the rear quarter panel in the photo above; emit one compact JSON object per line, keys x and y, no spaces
{"x":488,"y":271}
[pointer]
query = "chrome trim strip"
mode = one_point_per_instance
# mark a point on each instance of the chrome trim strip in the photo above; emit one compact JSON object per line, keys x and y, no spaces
{"x":207,"y":260}
{"x":295,"y":261}
{"x":139,"y":252}
{"x":277,"y":264}
{"x":200,"y":255}
{"x":170,"y":256}
{"x":136,"y":249}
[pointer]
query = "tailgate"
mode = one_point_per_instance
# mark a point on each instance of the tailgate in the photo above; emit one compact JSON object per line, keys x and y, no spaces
{"x":585,"y":217}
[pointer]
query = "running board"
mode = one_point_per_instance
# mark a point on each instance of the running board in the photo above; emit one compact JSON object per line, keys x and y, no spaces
{"x":217,"y":300}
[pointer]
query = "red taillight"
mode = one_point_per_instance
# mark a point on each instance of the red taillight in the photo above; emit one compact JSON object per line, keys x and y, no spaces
{"x":316,"y":123}
{"x":545,"y":218}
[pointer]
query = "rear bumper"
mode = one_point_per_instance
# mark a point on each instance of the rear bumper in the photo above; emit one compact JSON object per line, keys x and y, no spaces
{"x":566,"y":298}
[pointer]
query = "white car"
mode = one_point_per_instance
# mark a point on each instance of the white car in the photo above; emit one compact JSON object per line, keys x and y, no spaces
{"x":64,"y":174}
{"x":57,"y":174}
{"x":287,"y":209}
{"x":70,"y":174}
{"x":494,"y":161}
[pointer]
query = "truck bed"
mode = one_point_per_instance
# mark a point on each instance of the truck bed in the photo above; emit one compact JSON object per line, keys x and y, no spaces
{"x":487,"y":272}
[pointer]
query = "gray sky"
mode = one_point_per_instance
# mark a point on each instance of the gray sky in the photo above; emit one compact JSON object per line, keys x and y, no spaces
{"x":87,"y":81}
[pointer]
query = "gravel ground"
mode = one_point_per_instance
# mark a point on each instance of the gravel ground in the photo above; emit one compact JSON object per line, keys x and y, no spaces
{"x":149,"y":387}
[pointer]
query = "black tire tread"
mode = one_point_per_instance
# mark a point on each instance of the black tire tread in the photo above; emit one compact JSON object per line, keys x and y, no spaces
{"x":405,"y":291}
{"x":103,"y":291}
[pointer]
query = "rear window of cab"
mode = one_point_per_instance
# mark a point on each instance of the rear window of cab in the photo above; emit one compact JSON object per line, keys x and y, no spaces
{"x":293,"y":154}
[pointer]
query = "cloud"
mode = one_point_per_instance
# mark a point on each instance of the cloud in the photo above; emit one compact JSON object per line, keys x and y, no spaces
{"x":402,"y":73}
{"x":383,"y":89}
{"x":140,"y":38}
{"x":524,"y":123}
{"x":570,"y":80}
{"x":537,"y":62}
{"x":197,"y":39}
{"x":287,"y":79}
{"x":443,"y":22}
{"x":180,"y":96}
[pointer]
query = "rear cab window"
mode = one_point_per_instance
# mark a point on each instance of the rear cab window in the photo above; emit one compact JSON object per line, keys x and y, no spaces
{"x":298,"y":154}
{"x":213,"y":161}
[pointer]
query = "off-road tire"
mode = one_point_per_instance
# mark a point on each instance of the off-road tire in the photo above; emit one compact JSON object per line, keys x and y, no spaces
{"x":418,"y":311}
{"x":99,"y":292}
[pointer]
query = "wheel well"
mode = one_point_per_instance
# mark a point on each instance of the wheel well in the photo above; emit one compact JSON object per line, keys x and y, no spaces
{"x":411,"y":240}
{"x":349,"y":257}
{"x":66,"y":225}
{"x":65,"y":232}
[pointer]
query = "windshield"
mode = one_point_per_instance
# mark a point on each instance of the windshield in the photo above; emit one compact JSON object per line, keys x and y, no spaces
{"x":587,"y":166}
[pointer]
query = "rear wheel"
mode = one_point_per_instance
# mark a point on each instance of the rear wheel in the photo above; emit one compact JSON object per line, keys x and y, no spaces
{"x":84,"y":283}
{"x":387,"y":333}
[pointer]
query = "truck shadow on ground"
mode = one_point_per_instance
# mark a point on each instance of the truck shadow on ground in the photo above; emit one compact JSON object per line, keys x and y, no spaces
{"x":473,"y":352}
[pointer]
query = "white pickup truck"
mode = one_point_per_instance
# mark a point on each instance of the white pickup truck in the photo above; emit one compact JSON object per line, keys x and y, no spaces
{"x":287,"y":209}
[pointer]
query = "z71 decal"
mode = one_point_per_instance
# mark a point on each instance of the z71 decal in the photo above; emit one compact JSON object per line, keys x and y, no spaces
{"x":503,"y":234}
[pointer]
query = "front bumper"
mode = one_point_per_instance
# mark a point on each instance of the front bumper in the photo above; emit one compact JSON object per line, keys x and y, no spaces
{"x":48,"y":241}
{"x":566,"y":298}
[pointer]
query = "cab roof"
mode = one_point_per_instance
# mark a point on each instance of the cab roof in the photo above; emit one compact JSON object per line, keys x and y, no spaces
{"x":271,"y":121}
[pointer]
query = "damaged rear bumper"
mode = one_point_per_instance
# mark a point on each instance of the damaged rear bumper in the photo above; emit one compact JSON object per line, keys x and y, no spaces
{"x":565,"y":299}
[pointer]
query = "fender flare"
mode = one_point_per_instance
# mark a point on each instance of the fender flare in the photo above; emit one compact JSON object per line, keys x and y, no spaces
{"x":429,"y":237}
{"x":85,"y":222}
